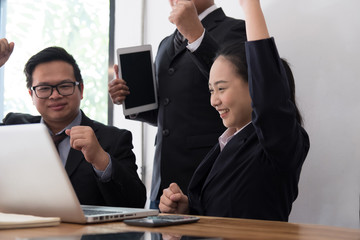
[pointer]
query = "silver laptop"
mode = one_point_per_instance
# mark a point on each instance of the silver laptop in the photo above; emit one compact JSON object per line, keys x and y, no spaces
{"x":33,"y":180}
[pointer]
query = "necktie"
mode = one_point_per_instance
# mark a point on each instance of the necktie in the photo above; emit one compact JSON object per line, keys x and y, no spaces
{"x":58,"y":138}
{"x":178,"y":40}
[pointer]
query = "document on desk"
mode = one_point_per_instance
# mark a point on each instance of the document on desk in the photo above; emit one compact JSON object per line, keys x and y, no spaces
{"x":8,"y":221}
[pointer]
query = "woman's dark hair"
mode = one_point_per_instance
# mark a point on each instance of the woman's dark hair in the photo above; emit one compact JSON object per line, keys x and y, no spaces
{"x":235,"y":53}
{"x":291,"y":82}
{"x":48,"y":55}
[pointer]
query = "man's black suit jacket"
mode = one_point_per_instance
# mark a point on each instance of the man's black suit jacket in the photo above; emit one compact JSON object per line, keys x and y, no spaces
{"x":125,"y":188}
{"x":188,"y":126}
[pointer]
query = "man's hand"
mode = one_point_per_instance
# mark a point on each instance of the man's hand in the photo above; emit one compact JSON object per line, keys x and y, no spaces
{"x":184,"y":15}
{"x":117,"y":88}
{"x":83,"y":138}
{"x":5,"y":50}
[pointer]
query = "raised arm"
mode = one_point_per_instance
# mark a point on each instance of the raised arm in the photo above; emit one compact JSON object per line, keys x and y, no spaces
{"x":275,"y":115}
{"x":256,"y":28}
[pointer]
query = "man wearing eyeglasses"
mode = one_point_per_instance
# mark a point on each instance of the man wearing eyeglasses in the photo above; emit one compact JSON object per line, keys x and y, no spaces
{"x":98,"y":158}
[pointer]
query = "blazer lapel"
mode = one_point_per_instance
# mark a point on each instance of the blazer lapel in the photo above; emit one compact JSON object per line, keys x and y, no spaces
{"x":228,"y":153}
{"x":74,"y":159}
{"x":170,"y":46}
{"x":200,"y":176}
{"x":202,"y":172}
{"x":212,"y":20}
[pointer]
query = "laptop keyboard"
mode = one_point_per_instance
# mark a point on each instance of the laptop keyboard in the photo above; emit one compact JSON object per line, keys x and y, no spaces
{"x":92,"y":212}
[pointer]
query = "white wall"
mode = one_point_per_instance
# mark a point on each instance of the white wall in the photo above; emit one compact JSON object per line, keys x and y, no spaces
{"x":128,"y":21}
{"x":320,"y":40}
{"x":128,"y":33}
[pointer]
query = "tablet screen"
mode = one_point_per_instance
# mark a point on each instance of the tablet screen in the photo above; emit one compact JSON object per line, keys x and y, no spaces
{"x":136,"y":68}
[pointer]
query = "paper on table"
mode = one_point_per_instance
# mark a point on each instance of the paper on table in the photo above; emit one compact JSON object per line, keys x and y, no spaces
{"x":8,"y":220}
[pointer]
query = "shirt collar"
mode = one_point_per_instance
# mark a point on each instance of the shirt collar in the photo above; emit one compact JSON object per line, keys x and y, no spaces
{"x":228,"y":135}
{"x":75,"y":122}
{"x":207,"y":12}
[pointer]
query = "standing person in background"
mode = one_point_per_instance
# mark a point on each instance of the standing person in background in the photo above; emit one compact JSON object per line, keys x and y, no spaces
{"x":6,"y":49}
{"x":187,"y":125}
{"x":254,"y":170}
{"x":98,"y":159}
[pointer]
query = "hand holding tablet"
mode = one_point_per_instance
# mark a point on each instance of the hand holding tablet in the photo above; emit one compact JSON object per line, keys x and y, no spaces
{"x":137,"y":69}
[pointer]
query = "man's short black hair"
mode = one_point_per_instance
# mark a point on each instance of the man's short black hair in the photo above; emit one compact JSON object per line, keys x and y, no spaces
{"x":48,"y":55}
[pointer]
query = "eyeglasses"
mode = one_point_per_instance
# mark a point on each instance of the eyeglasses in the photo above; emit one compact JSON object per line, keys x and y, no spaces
{"x":64,"y":89}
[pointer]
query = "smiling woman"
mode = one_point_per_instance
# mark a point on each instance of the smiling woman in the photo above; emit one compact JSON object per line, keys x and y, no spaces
{"x":81,"y":27}
{"x":230,"y":94}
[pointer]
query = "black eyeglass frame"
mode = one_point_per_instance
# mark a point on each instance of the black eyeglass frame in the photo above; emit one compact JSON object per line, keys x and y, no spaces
{"x":76,"y":83}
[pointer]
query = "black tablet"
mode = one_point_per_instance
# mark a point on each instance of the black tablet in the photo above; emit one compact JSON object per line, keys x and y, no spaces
{"x":137,"y":69}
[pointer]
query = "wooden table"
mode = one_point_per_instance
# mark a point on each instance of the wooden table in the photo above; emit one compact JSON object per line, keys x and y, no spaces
{"x":224,"y":228}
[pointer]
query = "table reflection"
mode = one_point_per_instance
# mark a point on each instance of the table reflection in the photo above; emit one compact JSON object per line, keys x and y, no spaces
{"x":128,"y":236}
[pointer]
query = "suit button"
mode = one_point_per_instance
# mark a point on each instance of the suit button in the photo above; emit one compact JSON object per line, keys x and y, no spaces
{"x":165,"y":132}
{"x":166,"y":101}
{"x":171,"y":71}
